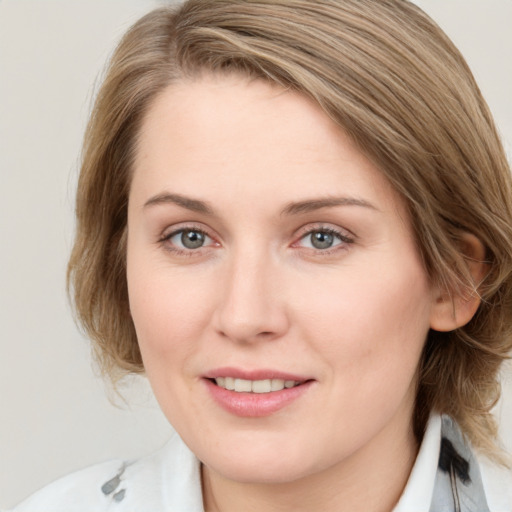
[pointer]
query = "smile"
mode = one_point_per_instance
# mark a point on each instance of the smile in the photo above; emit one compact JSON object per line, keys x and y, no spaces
{"x":254,"y":386}
{"x":249,"y":394}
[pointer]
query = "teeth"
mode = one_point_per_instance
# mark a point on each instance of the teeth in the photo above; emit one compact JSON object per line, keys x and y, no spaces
{"x":242,"y":385}
{"x":276,"y":384}
{"x":262,"y":386}
{"x":254,"y":386}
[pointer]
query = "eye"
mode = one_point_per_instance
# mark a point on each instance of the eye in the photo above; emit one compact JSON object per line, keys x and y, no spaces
{"x":323,"y":239}
{"x":188,"y":239}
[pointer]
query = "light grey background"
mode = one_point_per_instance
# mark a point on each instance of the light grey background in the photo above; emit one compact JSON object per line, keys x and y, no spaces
{"x":55,"y":416}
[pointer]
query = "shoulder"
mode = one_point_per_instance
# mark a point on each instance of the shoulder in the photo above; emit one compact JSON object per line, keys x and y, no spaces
{"x":165,"y":480}
{"x":475,"y":481}
{"x":448,"y":472}
{"x":79,"y":489}
{"x":497,"y":482}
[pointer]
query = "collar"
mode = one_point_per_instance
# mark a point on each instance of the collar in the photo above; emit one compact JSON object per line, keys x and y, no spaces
{"x":445,"y":477}
{"x":419,"y":490}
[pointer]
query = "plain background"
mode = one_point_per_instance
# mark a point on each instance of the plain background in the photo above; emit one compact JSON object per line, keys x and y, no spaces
{"x":55,"y":414}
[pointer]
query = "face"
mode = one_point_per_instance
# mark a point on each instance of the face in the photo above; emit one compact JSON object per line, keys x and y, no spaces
{"x":279,"y":300}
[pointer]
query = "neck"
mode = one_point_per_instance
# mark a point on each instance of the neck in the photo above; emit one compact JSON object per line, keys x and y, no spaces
{"x":370,"y":480}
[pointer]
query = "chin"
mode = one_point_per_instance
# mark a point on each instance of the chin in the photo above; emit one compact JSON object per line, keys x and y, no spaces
{"x":259,"y":472}
{"x":267,"y":462}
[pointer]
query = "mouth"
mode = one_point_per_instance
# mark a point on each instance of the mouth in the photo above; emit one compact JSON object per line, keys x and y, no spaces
{"x":254,"y":386}
{"x":255,"y":393}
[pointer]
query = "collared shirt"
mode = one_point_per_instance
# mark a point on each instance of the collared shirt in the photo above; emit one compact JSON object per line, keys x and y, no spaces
{"x":446,"y":477}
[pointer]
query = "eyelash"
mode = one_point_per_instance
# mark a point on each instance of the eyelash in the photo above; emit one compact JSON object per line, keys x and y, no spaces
{"x":165,"y":239}
{"x":341,"y":236}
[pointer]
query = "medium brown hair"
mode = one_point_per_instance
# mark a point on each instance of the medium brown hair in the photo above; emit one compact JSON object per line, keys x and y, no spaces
{"x":388,"y":75}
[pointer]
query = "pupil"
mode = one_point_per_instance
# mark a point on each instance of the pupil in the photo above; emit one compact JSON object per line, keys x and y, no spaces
{"x":322,"y":240}
{"x":192,"y":239}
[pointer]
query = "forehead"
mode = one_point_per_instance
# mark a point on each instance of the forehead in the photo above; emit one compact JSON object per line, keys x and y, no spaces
{"x":251,"y":139}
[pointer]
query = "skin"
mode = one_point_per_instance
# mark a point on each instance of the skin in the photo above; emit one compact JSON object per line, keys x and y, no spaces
{"x":353,"y":318}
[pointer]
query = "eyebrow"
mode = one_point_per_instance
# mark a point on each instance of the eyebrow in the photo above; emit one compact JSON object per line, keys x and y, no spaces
{"x":293,"y":208}
{"x":188,"y":203}
{"x":311,"y":205}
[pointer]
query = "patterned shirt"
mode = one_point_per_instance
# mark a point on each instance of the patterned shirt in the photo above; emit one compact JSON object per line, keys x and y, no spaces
{"x":446,"y":477}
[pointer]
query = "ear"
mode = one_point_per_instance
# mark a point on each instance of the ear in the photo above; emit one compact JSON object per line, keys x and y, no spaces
{"x":450,"y":311}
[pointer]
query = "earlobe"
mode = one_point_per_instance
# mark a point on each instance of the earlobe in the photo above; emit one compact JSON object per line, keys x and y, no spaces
{"x":453,"y":310}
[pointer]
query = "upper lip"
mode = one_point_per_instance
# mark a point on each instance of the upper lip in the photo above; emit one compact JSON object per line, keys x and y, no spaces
{"x":258,"y":374}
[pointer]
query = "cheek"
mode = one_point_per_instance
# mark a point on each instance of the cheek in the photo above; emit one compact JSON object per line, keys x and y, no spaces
{"x":164,"y":308}
{"x":371,"y":325}
{"x":170,"y":328}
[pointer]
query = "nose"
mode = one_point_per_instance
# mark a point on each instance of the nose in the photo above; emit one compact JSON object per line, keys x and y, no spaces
{"x":251,"y":301}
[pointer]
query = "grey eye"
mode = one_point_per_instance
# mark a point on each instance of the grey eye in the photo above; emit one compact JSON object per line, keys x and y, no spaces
{"x":321,"y":240}
{"x":187,"y":240}
{"x":192,"y":239}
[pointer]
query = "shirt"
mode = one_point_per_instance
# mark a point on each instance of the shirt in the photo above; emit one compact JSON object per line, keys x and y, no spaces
{"x":446,"y":477}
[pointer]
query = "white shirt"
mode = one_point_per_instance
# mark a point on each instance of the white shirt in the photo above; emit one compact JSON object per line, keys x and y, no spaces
{"x":169,"y":481}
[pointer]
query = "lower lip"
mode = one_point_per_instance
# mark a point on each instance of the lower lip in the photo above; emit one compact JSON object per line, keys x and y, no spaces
{"x":255,"y":405}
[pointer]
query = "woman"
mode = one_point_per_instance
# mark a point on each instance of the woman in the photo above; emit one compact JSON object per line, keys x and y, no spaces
{"x":295,"y":218}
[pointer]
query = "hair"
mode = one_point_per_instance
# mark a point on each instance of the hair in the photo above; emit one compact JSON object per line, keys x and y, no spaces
{"x":396,"y":84}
